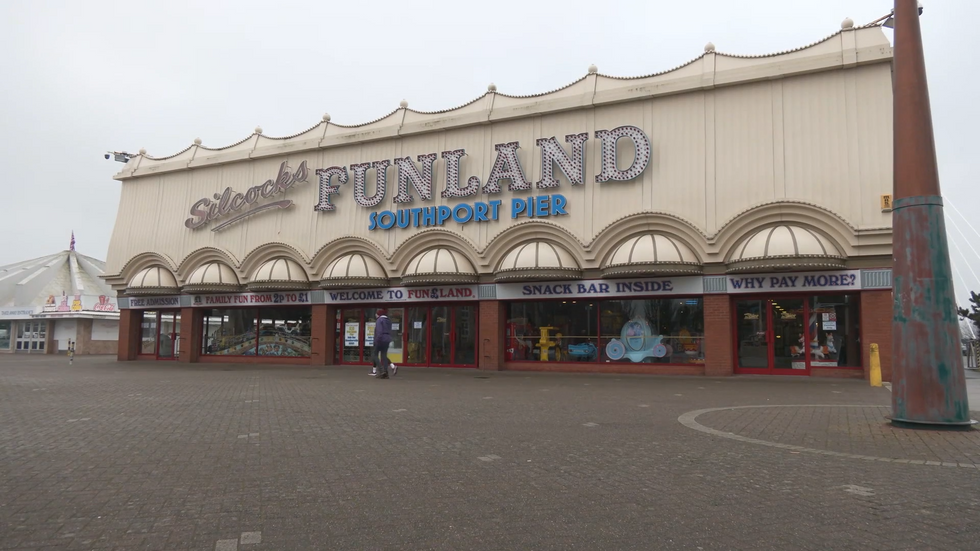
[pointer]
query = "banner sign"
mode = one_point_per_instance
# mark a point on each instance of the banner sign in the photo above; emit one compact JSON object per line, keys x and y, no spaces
{"x":154,"y":302}
{"x":404,"y":294}
{"x":844,"y":280}
{"x":688,"y":285}
{"x":276,"y":298}
{"x":15,"y":313}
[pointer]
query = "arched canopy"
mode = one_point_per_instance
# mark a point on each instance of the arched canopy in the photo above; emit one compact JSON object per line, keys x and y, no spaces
{"x":354,"y":270}
{"x":537,"y":260}
{"x":785,"y":247}
{"x":439,"y":266}
{"x":155,"y":280}
{"x":652,"y":254}
{"x":212,"y":276}
{"x":279,"y":273}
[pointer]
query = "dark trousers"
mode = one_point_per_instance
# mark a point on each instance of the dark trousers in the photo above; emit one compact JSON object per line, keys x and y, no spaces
{"x":381,"y":356}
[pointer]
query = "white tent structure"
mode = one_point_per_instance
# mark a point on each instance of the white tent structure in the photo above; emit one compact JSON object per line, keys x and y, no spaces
{"x":50,"y":303}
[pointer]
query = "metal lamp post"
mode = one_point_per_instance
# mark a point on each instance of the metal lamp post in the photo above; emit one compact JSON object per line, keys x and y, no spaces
{"x":928,"y":386}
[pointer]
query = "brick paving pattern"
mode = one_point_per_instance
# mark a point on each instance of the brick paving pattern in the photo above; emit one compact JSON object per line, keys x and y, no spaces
{"x":105,"y":455}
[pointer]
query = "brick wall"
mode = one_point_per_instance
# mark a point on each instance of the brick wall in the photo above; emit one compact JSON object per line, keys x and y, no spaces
{"x":718,"y":355}
{"x":491,"y":334}
{"x":322,"y":334}
{"x":876,"y":327}
{"x":129,"y":334}
{"x":191,"y":333}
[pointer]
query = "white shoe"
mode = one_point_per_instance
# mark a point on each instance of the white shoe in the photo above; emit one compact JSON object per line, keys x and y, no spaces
{"x":394,"y":369}
{"x":374,"y":371}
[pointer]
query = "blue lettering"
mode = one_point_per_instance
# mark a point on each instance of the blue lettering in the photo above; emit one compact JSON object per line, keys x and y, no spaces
{"x":792,"y":280}
{"x":390,"y":216}
{"x":567,"y":289}
{"x":603,"y":287}
{"x":581,"y":289}
{"x":444,"y":214}
{"x":494,"y":205}
{"x":773,"y":282}
{"x":404,"y":217}
{"x":428,"y":216}
{"x":481,"y":212}
{"x":517,"y":206}
{"x":668,"y":285}
{"x":467,"y":213}
{"x":526,"y":290}
{"x":809,"y":281}
{"x":761,"y":282}
{"x":558,"y":203}
{"x":736,"y":283}
{"x":372,"y":223}
{"x":415,"y":217}
{"x":541,"y":206}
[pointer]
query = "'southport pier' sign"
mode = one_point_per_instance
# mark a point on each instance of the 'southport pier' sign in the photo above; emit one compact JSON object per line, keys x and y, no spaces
{"x":419,"y":175}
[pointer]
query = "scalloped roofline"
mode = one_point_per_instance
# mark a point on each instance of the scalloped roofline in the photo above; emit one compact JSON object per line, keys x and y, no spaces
{"x":848,"y":47}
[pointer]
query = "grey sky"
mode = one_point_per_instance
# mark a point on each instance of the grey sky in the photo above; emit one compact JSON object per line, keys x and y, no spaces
{"x":83,"y":77}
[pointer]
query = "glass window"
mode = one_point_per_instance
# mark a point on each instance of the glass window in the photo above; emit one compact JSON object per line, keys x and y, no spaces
{"x":4,"y":335}
{"x":229,"y":332}
{"x":149,"y":331}
{"x":834,"y":335}
{"x":352,"y":332}
{"x":284,"y":331}
{"x":653,"y":331}
{"x":552,"y":331}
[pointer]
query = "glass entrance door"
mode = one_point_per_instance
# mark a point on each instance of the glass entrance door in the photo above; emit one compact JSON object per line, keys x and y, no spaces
{"x":168,"y":341}
{"x":453,"y":335}
{"x":771,"y":336}
{"x":789,"y":336}
{"x":31,"y":336}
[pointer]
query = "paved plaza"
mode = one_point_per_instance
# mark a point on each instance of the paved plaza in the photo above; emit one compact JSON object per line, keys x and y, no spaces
{"x":139,"y":455}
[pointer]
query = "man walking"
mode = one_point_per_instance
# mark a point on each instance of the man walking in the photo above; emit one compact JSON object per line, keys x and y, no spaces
{"x":382,"y":339}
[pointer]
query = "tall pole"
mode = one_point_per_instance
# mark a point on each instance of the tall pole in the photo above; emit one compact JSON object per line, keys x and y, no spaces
{"x":928,"y":386}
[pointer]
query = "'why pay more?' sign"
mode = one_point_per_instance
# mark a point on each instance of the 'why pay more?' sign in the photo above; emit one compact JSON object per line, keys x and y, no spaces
{"x":845,"y":280}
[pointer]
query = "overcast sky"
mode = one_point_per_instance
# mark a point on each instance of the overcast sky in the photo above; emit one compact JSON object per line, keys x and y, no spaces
{"x":80,"y":78}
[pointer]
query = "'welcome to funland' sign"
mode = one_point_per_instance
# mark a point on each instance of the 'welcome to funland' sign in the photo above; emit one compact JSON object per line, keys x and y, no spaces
{"x":233,"y":206}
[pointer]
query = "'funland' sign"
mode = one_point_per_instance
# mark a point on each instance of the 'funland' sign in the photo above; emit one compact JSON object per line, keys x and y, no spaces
{"x":409,"y":175}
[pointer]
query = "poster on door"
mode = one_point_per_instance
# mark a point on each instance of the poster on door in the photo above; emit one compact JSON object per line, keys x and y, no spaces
{"x":368,"y":334}
{"x":351,"y":334}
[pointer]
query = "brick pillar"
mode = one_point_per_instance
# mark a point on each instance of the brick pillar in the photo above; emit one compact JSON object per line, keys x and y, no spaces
{"x":129,"y":334}
{"x":719,"y":357}
{"x":323,"y":334}
{"x":493,"y":314}
{"x":876,"y":328}
{"x":83,"y":337}
{"x":189,"y":338}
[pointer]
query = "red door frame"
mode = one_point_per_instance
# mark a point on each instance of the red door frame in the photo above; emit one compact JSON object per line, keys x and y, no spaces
{"x":452,"y":309}
{"x":770,"y":336}
{"x":173,"y":334}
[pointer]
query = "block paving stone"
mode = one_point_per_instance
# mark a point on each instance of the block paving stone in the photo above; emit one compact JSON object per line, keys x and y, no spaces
{"x":333,"y":459}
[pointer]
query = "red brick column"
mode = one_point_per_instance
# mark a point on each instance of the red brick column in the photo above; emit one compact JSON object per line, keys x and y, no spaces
{"x":719,"y":358}
{"x":876,"y":328}
{"x":129,"y":334}
{"x":191,"y":333}
{"x":491,"y":344}
{"x":322,"y":334}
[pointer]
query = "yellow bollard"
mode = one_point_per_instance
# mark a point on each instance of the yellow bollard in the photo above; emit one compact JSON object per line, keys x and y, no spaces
{"x":875,"y":374}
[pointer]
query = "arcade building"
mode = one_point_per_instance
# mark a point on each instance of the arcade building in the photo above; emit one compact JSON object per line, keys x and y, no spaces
{"x":727,"y":216}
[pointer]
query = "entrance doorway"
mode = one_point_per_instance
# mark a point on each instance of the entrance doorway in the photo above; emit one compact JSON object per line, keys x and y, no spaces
{"x":771,"y":336}
{"x":161,"y":334}
{"x":31,"y":336}
{"x":438,"y":335}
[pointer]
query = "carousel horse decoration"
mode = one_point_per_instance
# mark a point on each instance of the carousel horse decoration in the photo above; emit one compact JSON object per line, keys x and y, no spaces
{"x":637,"y":342}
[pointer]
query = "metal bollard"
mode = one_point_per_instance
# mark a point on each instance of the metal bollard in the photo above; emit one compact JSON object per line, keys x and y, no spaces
{"x":875,"y":374}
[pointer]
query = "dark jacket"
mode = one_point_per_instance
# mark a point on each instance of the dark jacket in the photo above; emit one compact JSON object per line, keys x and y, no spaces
{"x":382,"y":330}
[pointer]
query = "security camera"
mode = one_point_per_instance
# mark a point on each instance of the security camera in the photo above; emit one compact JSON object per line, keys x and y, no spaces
{"x":107,"y":156}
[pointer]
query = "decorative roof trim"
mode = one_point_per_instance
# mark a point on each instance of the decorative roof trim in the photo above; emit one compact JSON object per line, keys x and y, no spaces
{"x":493,"y":91}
